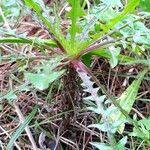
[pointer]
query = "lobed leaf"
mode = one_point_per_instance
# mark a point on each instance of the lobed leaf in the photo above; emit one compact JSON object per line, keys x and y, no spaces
{"x":144,"y":125}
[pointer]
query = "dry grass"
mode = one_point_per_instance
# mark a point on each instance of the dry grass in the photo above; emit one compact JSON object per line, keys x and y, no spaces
{"x":61,"y":119}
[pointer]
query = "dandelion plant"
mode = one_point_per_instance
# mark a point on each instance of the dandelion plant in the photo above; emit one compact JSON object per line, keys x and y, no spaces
{"x":105,"y":31}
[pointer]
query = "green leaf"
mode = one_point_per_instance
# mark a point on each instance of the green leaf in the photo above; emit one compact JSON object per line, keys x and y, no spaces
{"x":105,"y":53}
{"x":10,"y":9}
{"x":45,"y":73}
{"x":75,"y":13}
{"x":18,"y":132}
{"x":30,"y":41}
{"x":101,"y":146}
{"x":127,"y":99}
{"x":9,"y":96}
{"x":144,"y":125}
{"x":145,"y":122}
{"x":145,"y":62}
{"x":138,"y":38}
{"x":112,"y":3}
{"x":39,"y":9}
{"x":114,"y":52}
{"x":99,"y":126}
{"x":102,"y":127}
{"x":131,"y":5}
{"x":35,"y":5}
{"x":145,"y":5}
{"x":42,"y":80}
{"x":128,"y":8}
{"x":57,"y":23}
{"x":121,"y":143}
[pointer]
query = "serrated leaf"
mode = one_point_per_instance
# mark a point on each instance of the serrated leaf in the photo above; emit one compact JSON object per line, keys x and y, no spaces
{"x":18,"y":132}
{"x":36,"y":6}
{"x":145,"y":62}
{"x":41,"y":80}
{"x":144,"y":125}
{"x":127,"y":99}
{"x":102,"y":127}
{"x":41,"y":13}
{"x":88,"y":97}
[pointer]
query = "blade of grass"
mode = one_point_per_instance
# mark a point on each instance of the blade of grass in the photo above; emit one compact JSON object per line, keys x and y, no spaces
{"x":22,"y":127}
{"x":4,"y":19}
{"x":6,"y":132}
{"x":28,"y":41}
{"x":127,"y":99}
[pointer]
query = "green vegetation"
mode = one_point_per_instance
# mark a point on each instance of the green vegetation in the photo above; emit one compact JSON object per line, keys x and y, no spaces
{"x":75,"y":35}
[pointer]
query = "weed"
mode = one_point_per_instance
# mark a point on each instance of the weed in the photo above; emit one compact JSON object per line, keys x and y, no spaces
{"x":109,"y":30}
